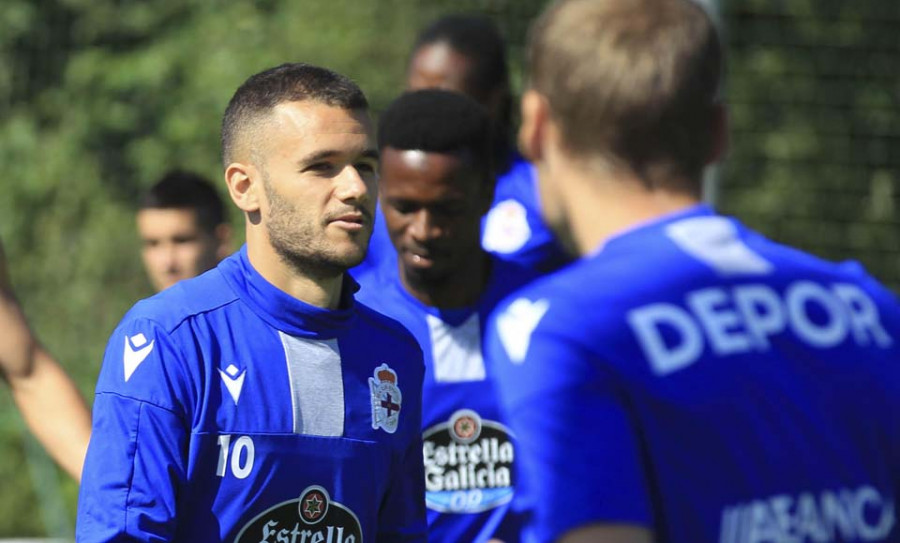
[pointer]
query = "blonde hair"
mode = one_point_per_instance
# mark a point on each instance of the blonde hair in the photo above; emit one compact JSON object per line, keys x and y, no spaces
{"x":633,"y":82}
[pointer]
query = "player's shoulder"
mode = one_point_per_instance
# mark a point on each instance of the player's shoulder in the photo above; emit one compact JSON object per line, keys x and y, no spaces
{"x":185,"y":300}
{"x":390,"y":329}
{"x":373,"y":282}
{"x":563,"y":304}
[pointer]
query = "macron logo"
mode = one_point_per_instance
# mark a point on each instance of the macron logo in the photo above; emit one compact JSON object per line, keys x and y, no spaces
{"x":136,"y":351}
{"x":516,"y":325}
{"x":234,"y":381}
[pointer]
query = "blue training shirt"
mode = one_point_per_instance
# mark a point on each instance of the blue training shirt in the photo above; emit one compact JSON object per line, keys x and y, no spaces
{"x":513,"y":229}
{"x":227,"y":410}
{"x":469,"y":452}
{"x":697,"y":379}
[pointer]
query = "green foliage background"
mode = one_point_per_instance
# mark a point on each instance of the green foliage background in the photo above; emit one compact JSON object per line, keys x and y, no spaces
{"x":99,"y":97}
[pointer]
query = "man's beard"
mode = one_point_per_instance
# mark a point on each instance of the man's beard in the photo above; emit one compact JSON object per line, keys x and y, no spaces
{"x":294,"y":239}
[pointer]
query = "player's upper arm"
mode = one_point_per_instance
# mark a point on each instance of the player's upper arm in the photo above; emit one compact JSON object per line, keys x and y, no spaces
{"x":580,"y":447}
{"x":133,"y":470}
{"x":136,"y":459}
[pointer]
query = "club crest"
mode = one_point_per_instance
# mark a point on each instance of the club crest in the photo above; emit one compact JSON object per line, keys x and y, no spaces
{"x":386,"y":399}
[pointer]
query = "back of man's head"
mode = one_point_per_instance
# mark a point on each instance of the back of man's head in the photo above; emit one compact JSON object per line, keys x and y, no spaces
{"x":255,"y":99}
{"x":179,"y":189}
{"x":438,"y":121}
{"x":631,"y":83}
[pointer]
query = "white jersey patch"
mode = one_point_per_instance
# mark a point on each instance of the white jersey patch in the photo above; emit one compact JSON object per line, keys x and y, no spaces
{"x":714,"y":241}
{"x":456,"y":350}
{"x":234,"y":381}
{"x":317,"y":385}
{"x":136,"y":351}
{"x":516,"y":325}
{"x":506,"y":228}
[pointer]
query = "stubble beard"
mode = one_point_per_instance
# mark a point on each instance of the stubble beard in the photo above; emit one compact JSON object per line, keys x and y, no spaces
{"x":302,"y":245}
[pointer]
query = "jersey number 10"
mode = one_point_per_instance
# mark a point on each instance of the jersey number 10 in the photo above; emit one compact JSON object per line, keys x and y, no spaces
{"x":242,"y":456}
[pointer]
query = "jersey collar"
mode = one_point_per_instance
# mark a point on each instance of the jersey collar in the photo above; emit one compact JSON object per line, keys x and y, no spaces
{"x":283,"y":311}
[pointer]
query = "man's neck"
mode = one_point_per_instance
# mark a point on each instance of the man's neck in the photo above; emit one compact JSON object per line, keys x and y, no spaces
{"x":601,"y":204}
{"x":316,"y":289}
{"x":458,"y":290}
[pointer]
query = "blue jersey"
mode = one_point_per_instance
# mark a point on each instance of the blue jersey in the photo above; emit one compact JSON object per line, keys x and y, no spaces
{"x":702,"y":381}
{"x":512,"y":230}
{"x":227,"y":410}
{"x":468,"y":451}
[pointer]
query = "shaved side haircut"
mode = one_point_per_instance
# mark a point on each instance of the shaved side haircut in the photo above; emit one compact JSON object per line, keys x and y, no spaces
{"x":295,"y":82}
{"x":632,"y":83}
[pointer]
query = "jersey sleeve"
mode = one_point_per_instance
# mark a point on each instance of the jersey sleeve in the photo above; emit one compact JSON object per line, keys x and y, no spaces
{"x":580,"y":454}
{"x":402,"y":514}
{"x":137,"y":456}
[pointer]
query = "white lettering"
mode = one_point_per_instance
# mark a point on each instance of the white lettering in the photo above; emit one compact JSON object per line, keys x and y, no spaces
{"x":762,"y":313}
{"x":224,"y":443}
{"x":647,"y":322}
{"x":862,"y":514}
{"x":242,"y":456}
{"x":743,"y":318}
{"x":863,"y":315}
{"x":242,"y":445}
{"x":718,"y":320}
{"x":800,"y":299}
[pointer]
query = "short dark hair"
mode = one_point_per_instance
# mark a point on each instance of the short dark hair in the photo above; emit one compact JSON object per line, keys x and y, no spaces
{"x":179,"y":189}
{"x":632,"y":82}
{"x":438,"y":121}
{"x":292,"y":82}
{"x":477,"y":38}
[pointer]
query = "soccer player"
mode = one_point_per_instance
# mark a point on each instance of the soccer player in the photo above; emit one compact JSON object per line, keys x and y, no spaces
{"x":686,"y":380}
{"x":49,"y":401}
{"x":259,"y":401}
{"x":435,"y":184}
{"x":467,"y":54}
{"x":183,"y":229}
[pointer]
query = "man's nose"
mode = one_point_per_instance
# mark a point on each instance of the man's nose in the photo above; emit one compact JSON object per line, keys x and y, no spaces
{"x":424,"y":226}
{"x":352,"y":185}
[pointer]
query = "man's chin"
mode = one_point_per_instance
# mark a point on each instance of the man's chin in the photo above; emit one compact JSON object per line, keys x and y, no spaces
{"x":431,"y":275}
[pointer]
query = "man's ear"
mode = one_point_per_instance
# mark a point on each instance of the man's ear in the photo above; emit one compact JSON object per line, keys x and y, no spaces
{"x":535,"y":114}
{"x":243,"y":182}
{"x":720,"y":127}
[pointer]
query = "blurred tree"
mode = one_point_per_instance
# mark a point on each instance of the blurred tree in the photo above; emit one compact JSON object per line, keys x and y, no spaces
{"x":815,"y":111}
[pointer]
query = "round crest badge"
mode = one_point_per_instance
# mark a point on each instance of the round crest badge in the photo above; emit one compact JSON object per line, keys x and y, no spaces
{"x":313,"y":504}
{"x":466,"y":426}
{"x":506,"y":228}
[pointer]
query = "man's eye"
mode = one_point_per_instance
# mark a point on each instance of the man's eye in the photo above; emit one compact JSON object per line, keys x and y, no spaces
{"x":319,"y":167}
{"x":402,"y":208}
{"x":364,"y":167}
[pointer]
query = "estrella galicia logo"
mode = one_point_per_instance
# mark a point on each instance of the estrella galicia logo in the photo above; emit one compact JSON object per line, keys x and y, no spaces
{"x":468,"y":464}
{"x":314,"y":516}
